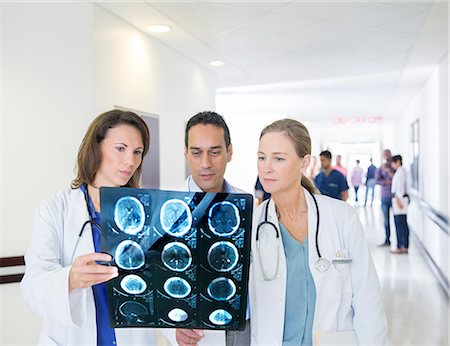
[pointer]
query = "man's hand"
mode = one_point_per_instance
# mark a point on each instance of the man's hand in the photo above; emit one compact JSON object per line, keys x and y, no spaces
{"x":188,"y":336}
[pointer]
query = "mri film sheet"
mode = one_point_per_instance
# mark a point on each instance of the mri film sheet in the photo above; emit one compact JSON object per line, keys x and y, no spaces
{"x":183,"y":257}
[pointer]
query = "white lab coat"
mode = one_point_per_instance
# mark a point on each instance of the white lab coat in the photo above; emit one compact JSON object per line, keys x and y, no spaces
{"x":347,"y":298}
{"x":399,"y":189}
{"x":68,"y":318}
{"x":211,"y":337}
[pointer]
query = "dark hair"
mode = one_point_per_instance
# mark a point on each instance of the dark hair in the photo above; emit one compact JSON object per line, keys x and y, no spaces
{"x":89,"y":154}
{"x":357,"y":161}
{"x":397,"y":158}
{"x":208,"y":118}
{"x":326,"y":154}
{"x":299,"y":136}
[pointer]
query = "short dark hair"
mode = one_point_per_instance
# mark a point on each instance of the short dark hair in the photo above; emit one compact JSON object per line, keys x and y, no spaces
{"x":208,"y":118}
{"x":89,"y":154}
{"x":397,"y":158}
{"x":326,"y":154}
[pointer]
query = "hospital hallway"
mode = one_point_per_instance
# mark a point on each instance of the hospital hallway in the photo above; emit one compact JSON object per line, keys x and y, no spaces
{"x":416,"y":306}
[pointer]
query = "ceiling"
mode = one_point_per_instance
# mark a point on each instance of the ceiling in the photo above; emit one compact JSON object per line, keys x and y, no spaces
{"x":382,"y":48}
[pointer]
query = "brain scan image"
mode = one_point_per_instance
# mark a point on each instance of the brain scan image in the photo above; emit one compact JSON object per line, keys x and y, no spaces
{"x":223,"y":256}
{"x":177,"y":287}
{"x":223,"y":219}
{"x":133,"y":284}
{"x":221,"y":289}
{"x":176,"y":256}
{"x":133,"y":311}
{"x":129,"y":215}
{"x":129,"y":255}
{"x":175,"y":217}
{"x":220,"y":317}
{"x":178,"y":315}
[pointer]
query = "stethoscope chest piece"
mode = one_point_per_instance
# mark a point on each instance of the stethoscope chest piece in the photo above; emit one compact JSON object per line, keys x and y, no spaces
{"x":322,"y":264}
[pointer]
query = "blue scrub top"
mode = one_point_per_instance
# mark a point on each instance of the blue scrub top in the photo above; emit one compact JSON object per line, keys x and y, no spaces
{"x":106,"y":335}
{"x":300,"y":292}
{"x":331,"y":185}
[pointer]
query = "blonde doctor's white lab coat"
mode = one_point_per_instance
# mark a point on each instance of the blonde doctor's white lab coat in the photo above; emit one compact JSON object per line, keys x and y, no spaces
{"x":348,"y":297}
{"x":69,"y":319}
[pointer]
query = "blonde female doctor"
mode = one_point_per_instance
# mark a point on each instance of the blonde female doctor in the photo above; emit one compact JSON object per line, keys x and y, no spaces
{"x":63,"y":282}
{"x":312,"y":280}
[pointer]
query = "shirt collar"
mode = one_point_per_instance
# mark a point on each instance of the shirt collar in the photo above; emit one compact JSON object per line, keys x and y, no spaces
{"x":193,"y":187}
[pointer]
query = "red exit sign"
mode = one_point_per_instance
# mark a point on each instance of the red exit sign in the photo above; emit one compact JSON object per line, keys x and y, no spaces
{"x":375,"y":119}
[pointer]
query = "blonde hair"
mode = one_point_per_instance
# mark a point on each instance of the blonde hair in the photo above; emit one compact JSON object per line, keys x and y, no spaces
{"x":299,"y":136}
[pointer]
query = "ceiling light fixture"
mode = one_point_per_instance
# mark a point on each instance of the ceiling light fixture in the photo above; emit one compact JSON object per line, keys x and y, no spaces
{"x":216,"y":63}
{"x":159,"y":28}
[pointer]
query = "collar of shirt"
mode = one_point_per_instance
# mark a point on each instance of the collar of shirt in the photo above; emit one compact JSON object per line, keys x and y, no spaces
{"x":193,"y":187}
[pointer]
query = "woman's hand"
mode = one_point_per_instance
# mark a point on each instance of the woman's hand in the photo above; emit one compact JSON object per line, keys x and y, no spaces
{"x":399,"y":202}
{"x":188,"y":336}
{"x":86,"y":273}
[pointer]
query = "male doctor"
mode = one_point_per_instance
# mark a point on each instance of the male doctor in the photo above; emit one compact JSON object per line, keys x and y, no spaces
{"x":208,"y":150}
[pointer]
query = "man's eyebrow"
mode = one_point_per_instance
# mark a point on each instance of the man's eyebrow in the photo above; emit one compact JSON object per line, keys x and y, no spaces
{"x":210,"y":148}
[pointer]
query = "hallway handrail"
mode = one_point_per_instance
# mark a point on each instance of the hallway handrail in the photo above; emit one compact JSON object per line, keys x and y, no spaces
{"x":437,"y":217}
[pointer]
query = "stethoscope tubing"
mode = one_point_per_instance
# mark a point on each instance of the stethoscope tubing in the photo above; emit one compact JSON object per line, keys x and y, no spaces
{"x":277,"y":234}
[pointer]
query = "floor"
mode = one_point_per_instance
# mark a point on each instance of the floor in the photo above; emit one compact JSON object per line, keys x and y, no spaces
{"x":416,"y":306}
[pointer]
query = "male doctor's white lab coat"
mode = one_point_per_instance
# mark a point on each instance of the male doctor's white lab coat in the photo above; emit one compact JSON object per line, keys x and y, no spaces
{"x":68,"y":318}
{"x":348,"y":296}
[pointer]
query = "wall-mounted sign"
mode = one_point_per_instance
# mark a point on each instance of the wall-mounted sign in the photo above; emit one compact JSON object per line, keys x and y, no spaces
{"x":374,"y":119}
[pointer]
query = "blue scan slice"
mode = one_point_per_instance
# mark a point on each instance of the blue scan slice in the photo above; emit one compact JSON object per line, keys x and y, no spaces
{"x":221,"y":289}
{"x":129,"y":215}
{"x":178,"y":315}
{"x":223,"y":256}
{"x":176,"y":256}
{"x":133,"y":310}
{"x":133,"y":284}
{"x":129,"y":255}
{"x":220,"y":317}
{"x":175,"y":217}
{"x":223,"y":219}
{"x":177,"y":287}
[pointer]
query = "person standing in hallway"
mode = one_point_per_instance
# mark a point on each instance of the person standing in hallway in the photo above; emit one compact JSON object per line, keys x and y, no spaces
{"x":383,"y":177}
{"x":331,"y":182}
{"x":338,"y":166}
{"x":207,"y":151}
{"x":356,"y":179}
{"x":400,"y":201}
{"x":370,"y":182}
{"x":312,"y":278}
{"x":63,"y":281}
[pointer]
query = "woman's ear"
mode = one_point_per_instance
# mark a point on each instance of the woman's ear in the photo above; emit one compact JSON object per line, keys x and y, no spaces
{"x":306,"y":162}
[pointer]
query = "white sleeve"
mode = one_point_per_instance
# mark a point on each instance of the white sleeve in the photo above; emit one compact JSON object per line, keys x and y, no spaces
{"x":369,"y":319}
{"x":45,"y":285}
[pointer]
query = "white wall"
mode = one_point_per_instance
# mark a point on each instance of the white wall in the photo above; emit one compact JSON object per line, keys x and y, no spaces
{"x":62,"y":64}
{"x":134,"y":71}
{"x":47,"y":102}
{"x":430,"y":106}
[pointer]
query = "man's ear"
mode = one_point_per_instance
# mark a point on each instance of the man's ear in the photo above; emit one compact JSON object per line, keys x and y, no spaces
{"x":185,"y":152}
{"x":230,"y":152}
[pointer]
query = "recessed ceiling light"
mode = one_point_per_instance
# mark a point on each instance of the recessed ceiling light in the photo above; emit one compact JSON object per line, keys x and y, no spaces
{"x":216,"y":63}
{"x":159,"y":28}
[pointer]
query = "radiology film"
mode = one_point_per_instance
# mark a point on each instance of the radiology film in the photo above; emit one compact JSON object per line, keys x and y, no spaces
{"x":183,"y":257}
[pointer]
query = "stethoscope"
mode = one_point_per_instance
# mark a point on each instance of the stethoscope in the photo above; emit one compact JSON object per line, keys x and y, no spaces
{"x":321,"y":264}
{"x":87,"y":222}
